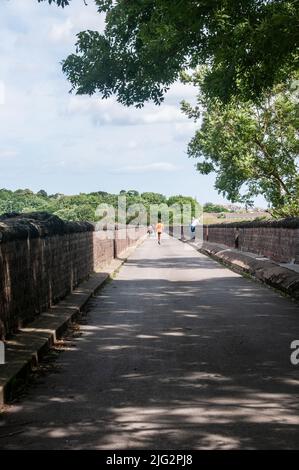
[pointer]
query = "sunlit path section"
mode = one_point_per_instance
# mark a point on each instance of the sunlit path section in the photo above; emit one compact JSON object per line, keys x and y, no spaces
{"x":178,"y":353}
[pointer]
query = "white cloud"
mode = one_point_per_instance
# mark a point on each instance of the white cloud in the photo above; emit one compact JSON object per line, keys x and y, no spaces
{"x":87,"y":18}
{"x":165,"y":113}
{"x":110,"y":112}
{"x":132,"y":144}
{"x":182,"y":132}
{"x":2,"y":93}
{"x":62,"y":31}
{"x":68,"y":143}
{"x":179,"y":92}
{"x":7,"y":153}
{"x":151,"y":167}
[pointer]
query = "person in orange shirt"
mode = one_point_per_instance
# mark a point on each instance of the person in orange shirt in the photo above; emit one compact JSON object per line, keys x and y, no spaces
{"x":159,"y":230}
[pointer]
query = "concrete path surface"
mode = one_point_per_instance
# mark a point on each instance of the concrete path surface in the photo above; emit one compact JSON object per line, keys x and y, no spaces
{"x":177,"y":352}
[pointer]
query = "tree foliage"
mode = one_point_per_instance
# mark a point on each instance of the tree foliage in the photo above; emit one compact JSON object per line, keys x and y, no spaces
{"x":209,"y":207}
{"x":244,"y":53}
{"x":249,"y":45}
{"x":82,"y":206}
{"x":253,"y":149}
{"x":59,"y":3}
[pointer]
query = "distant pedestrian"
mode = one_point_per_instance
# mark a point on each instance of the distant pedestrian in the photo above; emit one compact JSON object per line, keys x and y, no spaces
{"x":195,"y":222}
{"x":159,"y":230}
{"x":150,"y":230}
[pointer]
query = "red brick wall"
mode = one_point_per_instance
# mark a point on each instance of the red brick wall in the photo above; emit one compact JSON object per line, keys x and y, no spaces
{"x":278,"y":243}
{"x":222,"y":235}
{"x":126,"y":237}
{"x":103,"y":249}
{"x":278,"y":240}
{"x":37,"y":272}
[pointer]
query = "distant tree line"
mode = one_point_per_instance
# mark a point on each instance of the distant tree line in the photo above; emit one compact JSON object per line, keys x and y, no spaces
{"x":82,"y":206}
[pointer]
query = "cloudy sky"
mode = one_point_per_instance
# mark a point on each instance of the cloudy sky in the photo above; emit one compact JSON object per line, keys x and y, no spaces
{"x":60,"y":142}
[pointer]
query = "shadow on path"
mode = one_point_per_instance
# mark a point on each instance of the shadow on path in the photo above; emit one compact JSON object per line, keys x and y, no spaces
{"x":168,"y":364}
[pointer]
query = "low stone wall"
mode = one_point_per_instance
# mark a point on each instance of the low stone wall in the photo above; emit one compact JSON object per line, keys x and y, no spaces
{"x":43,"y":258}
{"x":277,"y":240}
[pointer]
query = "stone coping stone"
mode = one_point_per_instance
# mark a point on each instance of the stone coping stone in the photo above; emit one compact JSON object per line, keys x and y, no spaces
{"x":267,"y":271}
{"x":37,"y":225}
{"x":16,"y":226}
{"x":289,"y":222}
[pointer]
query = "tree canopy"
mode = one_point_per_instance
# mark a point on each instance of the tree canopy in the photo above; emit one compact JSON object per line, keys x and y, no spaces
{"x":60,"y":3}
{"x":244,"y":58}
{"x":249,"y":45}
{"x":253,"y":149}
{"x":211,"y":207}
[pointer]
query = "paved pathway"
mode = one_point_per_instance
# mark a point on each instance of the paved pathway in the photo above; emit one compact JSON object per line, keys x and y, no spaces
{"x":178,"y":352}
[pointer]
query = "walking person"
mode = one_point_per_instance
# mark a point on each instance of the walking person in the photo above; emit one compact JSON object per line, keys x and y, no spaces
{"x":195,"y":222}
{"x":159,"y":230}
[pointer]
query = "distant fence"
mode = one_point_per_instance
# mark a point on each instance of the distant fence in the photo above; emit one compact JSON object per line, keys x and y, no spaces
{"x":43,"y":258}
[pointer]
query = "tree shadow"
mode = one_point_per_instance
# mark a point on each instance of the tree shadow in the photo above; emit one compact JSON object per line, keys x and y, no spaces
{"x":167,"y":364}
{"x":177,"y":263}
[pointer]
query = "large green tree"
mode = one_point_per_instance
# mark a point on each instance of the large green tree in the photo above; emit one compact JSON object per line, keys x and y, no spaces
{"x":250,"y":45}
{"x":252,"y":148}
{"x":245,"y":50}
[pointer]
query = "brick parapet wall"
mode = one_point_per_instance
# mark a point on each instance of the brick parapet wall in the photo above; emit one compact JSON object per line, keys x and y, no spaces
{"x":277,"y":240}
{"x":43,"y":258}
{"x":279,"y":244}
{"x":223,"y":235}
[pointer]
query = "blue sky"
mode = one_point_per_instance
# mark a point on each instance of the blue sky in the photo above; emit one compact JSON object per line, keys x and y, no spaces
{"x":64,"y":143}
